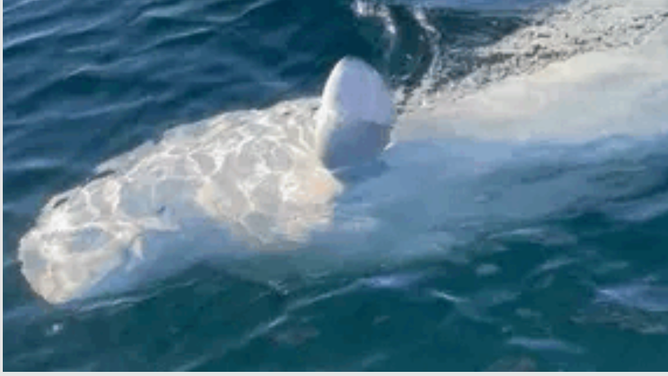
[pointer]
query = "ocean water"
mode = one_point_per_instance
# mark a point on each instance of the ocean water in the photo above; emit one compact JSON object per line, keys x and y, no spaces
{"x":521,"y":224}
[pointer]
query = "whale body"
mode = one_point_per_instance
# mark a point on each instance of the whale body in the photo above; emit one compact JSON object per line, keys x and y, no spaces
{"x":250,"y":182}
{"x":246,"y":180}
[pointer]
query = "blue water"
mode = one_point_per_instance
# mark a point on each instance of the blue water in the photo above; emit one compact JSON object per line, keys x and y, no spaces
{"x":582,"y":289}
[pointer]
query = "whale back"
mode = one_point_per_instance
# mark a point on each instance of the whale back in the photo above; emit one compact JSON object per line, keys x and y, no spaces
{"x":355,"y":117}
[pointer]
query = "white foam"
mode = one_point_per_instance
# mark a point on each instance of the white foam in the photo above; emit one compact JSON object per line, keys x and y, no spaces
{"x":623,"y":91}
{"x":555,"y":34}
{"x":615,"y":81}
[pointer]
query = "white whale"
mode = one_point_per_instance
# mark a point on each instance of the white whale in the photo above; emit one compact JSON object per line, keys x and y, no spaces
{"x":317,"y":177}
{"x":256,"y":179}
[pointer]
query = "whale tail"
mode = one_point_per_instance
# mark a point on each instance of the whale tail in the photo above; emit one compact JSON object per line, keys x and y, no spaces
{"x":355,"y":118}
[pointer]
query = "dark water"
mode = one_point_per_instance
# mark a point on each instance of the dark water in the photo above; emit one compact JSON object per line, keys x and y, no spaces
{"x":85,"y":81}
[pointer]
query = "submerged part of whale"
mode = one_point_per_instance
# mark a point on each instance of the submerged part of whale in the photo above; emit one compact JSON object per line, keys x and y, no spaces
{"x":245,"y":180}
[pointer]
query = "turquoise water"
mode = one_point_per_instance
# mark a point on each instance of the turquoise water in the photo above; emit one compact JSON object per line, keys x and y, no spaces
{"x":535,"y":282}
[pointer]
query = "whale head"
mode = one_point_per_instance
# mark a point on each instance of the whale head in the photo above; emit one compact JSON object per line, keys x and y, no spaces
{"x":355,"y":118}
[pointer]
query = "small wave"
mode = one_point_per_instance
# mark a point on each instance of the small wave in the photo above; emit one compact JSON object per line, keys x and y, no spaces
{"x":546,"y":344}
{"x":638,"y":295}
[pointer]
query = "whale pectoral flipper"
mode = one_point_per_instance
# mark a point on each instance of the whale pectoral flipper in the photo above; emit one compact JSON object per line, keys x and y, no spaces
{"x":356,"y":115}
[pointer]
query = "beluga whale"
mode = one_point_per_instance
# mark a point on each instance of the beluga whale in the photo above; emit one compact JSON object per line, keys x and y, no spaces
{"x":245,"y":181}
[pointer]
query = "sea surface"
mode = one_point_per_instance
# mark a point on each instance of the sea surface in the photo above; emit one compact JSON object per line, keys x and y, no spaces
{"x":473,"y":253}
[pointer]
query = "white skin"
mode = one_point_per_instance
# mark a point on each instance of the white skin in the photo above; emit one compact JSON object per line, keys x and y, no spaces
{"x":265,"y":177}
